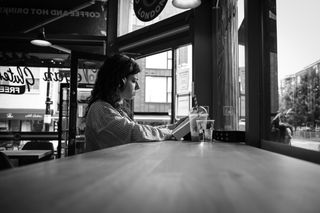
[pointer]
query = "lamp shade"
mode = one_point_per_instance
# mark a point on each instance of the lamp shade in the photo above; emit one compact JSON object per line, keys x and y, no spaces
{"x":42,"y":43}
{"x":186,"y":4}
{"x":41,"y":40}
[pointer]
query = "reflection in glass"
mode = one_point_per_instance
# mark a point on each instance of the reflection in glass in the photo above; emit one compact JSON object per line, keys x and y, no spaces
{"x":298,"y":71}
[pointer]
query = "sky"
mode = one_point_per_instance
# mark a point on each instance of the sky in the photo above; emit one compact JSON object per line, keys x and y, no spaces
{"x":298,"y":29}
{"x":240,"y":19}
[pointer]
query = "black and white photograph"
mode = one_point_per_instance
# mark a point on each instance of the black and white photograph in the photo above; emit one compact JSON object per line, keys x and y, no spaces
{"x":159,"y":106}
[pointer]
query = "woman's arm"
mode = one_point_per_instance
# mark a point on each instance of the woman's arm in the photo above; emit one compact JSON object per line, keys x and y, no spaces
{"x":111,"y":128}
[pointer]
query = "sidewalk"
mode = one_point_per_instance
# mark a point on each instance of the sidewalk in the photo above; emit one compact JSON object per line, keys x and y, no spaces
{"x":306,"y":143}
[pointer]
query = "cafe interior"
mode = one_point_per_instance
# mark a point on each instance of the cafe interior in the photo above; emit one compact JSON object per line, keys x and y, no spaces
{"x":246,"y":63}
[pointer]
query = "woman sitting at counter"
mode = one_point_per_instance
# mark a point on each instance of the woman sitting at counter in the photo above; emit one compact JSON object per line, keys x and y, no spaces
{"x":107,"y":121}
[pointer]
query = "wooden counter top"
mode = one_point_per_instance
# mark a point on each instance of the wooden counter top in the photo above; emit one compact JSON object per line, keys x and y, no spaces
{"x":166,"y":176}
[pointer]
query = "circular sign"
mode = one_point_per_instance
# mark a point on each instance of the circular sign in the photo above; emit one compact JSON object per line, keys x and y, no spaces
{"x":147,"y":10}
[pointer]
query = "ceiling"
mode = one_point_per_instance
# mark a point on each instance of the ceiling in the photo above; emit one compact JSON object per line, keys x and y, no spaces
{"x":78,"y":25}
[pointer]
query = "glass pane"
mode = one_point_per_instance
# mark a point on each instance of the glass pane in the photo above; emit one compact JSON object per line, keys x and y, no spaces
{"x":128,"y":22}
{"x":183,"y":80}
{"x":29,"y":102}
{"x":297,"y":119}
{"x":152,"y":104}
{"x":28,"y":98}
{"x":158,"y":61}
{"x":156,"y":89}
{"x":169,"y":89}
{"x":242,"y":76}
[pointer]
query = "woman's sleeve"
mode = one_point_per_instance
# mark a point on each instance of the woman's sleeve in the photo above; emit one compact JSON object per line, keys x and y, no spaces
{"x":118,"y":128}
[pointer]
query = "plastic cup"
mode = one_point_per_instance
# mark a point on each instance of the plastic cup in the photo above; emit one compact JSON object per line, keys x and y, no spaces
{"x":205,"y":128}
{"x":194,"y":117}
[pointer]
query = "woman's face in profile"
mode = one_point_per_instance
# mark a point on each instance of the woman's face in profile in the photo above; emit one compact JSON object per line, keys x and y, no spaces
{"x":130,"y":87}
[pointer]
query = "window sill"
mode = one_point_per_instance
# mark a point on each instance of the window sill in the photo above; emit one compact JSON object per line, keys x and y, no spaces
{"x":292,"y":151}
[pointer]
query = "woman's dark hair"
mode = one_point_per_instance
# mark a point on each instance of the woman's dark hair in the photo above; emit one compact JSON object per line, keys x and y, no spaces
{"x":110,"y":79}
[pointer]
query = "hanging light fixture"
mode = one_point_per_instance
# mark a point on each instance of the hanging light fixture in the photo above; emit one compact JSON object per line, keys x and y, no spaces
{"x":41,"y":39}
{"x":186,"y":4}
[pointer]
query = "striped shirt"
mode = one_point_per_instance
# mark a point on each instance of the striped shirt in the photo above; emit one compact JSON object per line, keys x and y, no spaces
{"x":107,"y":127}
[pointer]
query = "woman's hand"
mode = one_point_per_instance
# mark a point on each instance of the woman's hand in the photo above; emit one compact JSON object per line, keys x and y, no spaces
{"x":173,"y":126}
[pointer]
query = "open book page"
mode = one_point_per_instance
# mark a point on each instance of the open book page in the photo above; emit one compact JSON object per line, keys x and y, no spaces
{"x":182,"y":129}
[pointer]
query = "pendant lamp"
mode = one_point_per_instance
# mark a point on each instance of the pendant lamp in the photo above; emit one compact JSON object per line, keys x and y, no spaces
{"x":41,"y":39}
{"x":186,"y":4}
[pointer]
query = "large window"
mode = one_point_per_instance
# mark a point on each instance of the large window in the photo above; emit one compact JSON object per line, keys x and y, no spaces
{"x":296,"y":117}
{"x":27,"y":98}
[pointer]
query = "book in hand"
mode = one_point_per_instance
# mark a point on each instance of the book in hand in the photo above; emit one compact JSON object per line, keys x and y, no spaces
{"x":182,"y":129}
